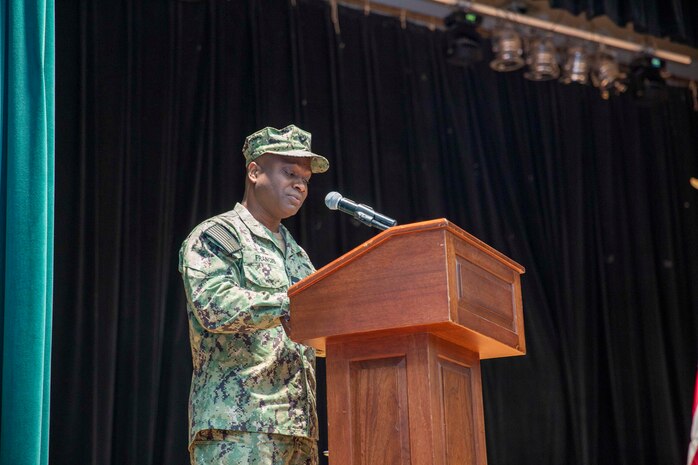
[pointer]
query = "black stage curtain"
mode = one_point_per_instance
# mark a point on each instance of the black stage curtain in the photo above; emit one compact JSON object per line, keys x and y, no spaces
{"x":591,"y":196}
{"x":677,"y":19}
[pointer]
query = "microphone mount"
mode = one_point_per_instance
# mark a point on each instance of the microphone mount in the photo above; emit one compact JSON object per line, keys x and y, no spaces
{"x":363,"y":213}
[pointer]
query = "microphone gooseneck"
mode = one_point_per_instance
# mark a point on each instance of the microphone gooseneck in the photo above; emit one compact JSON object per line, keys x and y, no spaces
{"x":363,"y":213}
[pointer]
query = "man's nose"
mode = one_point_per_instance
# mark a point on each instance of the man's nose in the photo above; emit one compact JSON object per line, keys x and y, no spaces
{"x":300,"y":185}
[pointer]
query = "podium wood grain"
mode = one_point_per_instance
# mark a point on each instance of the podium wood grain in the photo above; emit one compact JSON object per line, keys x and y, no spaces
{"x":405,"y":319}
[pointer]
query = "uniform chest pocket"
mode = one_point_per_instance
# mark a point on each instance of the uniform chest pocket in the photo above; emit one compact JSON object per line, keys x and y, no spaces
{"x":264,"y":271}
{"x":298,"y":270}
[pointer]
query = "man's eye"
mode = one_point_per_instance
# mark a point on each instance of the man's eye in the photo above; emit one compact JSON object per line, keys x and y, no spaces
{"x":292,"y":174}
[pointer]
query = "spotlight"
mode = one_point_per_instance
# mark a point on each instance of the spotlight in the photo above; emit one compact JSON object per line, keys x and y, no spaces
{"x":508,"y":50}
{"x":606,"y":74}
{"x":576,"y":67}
{"x":646,"y":80}
{"x":463,"y":42}
{"x":542,"y":61}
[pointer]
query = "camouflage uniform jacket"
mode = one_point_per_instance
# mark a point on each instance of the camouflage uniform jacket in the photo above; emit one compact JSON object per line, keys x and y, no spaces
{"x":248,"y":375}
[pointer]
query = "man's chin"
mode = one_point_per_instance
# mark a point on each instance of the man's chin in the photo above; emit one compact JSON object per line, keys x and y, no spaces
{"x":290,"y":211}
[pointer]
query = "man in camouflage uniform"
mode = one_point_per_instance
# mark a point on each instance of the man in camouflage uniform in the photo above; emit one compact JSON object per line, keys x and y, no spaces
{"x":252,"y":398}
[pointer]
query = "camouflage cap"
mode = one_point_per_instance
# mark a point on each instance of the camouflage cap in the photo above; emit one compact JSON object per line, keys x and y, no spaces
{"x":290,"y":141}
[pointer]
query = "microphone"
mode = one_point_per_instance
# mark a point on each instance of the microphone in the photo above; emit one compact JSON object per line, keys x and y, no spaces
{"x":363,"y":213}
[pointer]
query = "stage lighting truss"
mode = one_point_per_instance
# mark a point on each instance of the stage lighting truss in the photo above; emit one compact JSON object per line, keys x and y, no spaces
{"x":542,"y":60}
{"x":646,"y":78}
{"x":513,"y":50}
{"x":507,"y":47}
{"x":606,"y":74}
{"x":463,"y":41}
{"x":576,"y":67}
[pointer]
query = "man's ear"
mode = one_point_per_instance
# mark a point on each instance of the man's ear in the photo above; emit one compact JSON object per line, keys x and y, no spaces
{"x":253,"y":170}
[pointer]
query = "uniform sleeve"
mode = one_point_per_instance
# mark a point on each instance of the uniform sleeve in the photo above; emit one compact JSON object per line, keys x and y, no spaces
{"x":212,"y":283}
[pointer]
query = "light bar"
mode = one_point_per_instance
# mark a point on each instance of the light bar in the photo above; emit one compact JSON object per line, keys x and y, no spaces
{"x":565,"y":30}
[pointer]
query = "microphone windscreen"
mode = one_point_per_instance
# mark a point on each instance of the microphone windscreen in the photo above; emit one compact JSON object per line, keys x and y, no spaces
{"x":332,"y":200}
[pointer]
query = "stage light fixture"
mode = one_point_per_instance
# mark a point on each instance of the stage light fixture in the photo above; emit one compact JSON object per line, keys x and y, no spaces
{"x":508,"y":49}
{"x":606,"y":74}
{"x":542,"y":60}
{"x":646,"y":80}
{"x":576,"y":68}
{"x":463,"y":41}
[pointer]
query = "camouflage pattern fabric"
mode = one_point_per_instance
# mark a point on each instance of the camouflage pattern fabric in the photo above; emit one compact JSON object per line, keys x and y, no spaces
{"x":290,"y":141}
{"x":248,"y":375}
{"x":237,"y":448}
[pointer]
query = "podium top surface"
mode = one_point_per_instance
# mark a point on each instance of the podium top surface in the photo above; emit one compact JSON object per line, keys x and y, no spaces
{"x":411,"y":228}
{"x":422,"y":277}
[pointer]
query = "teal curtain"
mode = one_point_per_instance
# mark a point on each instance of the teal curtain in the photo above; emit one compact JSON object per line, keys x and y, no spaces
{"x":26,"y":230}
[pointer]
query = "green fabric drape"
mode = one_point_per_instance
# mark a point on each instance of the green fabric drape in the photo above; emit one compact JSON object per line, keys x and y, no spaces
{"x":26,"y":206}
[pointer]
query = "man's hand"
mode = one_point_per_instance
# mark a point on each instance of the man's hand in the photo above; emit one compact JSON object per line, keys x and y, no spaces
{"x":286,"y":323}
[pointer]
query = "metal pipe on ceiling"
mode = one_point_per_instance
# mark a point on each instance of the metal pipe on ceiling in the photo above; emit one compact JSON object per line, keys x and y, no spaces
{"x":546,"y":25}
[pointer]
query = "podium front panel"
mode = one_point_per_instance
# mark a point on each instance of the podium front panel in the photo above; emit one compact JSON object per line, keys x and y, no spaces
{"x":412,"y":399}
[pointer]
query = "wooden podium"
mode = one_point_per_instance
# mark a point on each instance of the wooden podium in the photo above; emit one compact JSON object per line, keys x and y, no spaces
{"x":405,"y":319}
